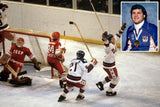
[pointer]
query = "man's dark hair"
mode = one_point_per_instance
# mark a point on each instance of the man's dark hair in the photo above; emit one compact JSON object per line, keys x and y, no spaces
{"x":138,"y":6}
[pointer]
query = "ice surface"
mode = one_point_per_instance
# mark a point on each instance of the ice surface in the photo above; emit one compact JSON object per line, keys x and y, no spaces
{"x":139,"y":84}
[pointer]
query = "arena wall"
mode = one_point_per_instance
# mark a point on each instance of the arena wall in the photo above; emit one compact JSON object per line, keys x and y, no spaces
{"x":50,"y":19}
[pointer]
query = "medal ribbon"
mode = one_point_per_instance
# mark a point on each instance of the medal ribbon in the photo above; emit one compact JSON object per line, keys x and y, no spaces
{"x":137,"y":37}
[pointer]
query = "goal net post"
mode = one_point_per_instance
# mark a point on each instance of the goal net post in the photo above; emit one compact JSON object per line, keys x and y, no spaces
{"x":36,"y":41}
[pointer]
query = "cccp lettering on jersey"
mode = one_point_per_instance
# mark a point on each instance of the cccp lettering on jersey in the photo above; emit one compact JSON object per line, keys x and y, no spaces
{"x":19,"y":52}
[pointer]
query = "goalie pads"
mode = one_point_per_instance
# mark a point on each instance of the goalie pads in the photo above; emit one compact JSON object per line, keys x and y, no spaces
{"x":21,"y":81}
{"x":4,"y":76}
{"x":4,"y":59}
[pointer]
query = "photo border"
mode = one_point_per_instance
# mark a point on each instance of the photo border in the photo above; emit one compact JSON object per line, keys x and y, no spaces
{"x":129,"y":21}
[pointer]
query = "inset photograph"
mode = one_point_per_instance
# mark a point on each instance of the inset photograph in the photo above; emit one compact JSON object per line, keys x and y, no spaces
{"x":141,"y":33}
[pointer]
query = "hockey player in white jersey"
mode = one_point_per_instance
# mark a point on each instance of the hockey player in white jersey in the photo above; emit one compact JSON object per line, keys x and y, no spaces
{"x":75,"y":78}
{"x":4,"y":25}
{"x":109,"y":62}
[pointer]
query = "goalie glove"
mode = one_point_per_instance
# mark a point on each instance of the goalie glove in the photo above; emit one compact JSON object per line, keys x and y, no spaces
{"x":36,"y":64}
{"x":4,"y":59}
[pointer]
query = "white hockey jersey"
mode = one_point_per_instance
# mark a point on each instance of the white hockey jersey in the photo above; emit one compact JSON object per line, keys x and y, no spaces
{"x":3,"y":16}
{"x":78,"y":69}
{"x":109,"y":58}
{"x":110,"y":53}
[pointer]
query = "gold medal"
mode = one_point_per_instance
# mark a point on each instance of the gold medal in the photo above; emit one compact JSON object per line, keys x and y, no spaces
{"x":136,"y":43}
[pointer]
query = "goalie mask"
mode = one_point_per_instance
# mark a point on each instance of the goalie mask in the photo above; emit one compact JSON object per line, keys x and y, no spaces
{"x":20,"y":42}
{"x":55,"y":35}
{"x":80,"y":54}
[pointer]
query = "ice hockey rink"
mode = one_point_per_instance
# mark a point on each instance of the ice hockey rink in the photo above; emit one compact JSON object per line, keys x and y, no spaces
{"x":139,"y":84}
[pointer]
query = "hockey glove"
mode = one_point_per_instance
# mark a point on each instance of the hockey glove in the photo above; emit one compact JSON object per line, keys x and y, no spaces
{"x":123,"y":26}
{"x":36,"y":64}
{"x":63,"y":50}
{"x":94,"y":61}
{"x":104,"y":36}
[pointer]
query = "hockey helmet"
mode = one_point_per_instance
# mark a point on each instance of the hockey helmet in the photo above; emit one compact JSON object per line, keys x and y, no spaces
{"x":20,"y":42}
{"x":20,"y":39}
{"x":80,"y":54}
{"x":109,"y":37}
{"x":56,"y":35}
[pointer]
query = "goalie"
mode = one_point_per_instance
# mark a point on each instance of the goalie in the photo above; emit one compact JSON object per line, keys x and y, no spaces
{"x":109,"y":62}
{"x":17,"y":54}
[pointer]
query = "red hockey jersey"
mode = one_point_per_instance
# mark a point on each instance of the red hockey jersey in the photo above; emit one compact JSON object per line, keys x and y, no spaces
{"x":53,"y":46}
{"x":18,"y":53}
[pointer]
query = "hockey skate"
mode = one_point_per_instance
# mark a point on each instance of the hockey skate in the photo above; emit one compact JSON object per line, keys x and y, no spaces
{"x":62,"y":84}
{"x":61,"y":98}
{"x":112,"y":93}
{"x":100,"y":86}
{"x":80,"y":97}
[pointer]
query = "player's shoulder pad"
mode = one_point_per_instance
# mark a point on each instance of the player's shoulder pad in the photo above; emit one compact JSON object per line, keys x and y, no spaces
{"x":83,"y":60}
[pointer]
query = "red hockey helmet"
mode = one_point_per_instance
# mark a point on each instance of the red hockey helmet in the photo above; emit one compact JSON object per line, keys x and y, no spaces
{"x":20,"y":42}
{"x":20,"y":39}
{"x":56,"y":35}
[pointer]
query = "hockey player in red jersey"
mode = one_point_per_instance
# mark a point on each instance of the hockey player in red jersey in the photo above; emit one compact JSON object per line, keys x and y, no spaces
{"x":75,"y":78}
{"x":109,"y":62}
{"x":55,"y":56}
{"x":17,"y":53}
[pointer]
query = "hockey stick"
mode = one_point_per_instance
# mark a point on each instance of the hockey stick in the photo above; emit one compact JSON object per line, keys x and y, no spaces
{"x":71,"y":22}
{"x":64,"y":38}
{"x":22,"y":73}
{"x":45,"y":68}
{"x":4,"y":59}
{"x":15,"y":73}
{"x":96,"y":15}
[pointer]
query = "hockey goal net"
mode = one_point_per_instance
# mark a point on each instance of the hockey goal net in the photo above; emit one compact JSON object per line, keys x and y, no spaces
{"x":36,"y":41}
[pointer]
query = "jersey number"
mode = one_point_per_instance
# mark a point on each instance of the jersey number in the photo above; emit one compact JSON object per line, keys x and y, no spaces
{"x":51,"y":48}
{"x":73,"y":65}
